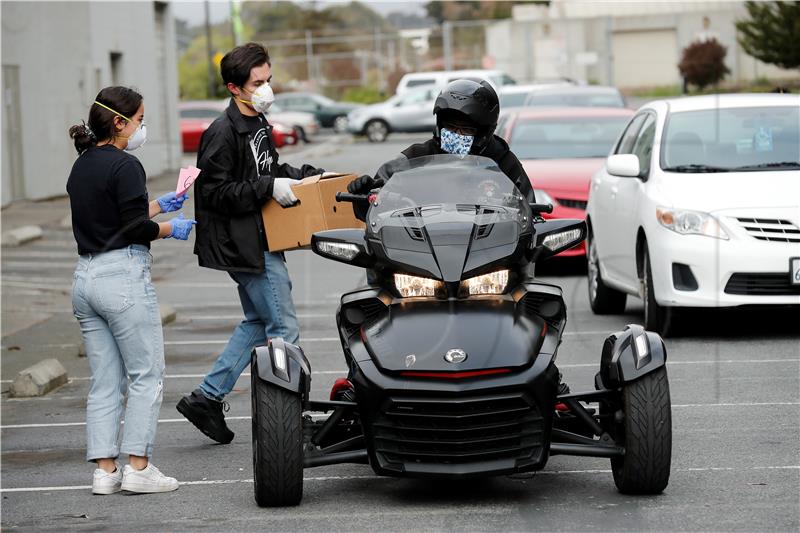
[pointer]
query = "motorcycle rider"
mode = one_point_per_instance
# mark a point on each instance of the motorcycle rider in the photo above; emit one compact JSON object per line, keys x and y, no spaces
{"x":466,"y":117}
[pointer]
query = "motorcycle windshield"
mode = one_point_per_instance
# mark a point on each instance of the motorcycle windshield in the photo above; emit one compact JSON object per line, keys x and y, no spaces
{"x":444,"y":215}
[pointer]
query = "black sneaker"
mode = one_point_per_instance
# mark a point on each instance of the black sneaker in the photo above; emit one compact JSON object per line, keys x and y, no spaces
{"x":206,"y":415}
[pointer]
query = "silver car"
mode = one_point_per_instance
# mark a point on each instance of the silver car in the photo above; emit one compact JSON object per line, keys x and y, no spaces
{"x":409,"y":112}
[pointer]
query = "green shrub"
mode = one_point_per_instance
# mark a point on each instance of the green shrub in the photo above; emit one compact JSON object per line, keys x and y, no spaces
{"x":363,"y":95}
{"x":703,"y":63}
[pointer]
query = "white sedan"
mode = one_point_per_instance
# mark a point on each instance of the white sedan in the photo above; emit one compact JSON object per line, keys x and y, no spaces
{"x":698,"y":205}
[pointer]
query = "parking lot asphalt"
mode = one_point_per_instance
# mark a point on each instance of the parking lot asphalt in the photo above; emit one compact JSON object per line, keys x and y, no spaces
{"x":734,"y":378}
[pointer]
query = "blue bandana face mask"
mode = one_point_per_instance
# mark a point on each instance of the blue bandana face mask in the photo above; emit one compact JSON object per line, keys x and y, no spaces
{"x":454,"y":143}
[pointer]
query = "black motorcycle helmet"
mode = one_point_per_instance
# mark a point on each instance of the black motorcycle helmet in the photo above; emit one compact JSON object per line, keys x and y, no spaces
{"x":470,"y":103}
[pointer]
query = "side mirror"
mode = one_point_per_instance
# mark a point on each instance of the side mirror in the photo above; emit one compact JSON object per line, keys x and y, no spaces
{"x":556,"y":235}
{"x":624,"y":165}
{"x":343,"y":245}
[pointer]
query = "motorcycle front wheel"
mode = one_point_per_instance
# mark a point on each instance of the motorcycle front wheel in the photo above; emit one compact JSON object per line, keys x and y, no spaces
{"x":277,"y":444}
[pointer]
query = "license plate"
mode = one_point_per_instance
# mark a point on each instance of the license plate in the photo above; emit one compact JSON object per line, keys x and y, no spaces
{"x":794,"y":270}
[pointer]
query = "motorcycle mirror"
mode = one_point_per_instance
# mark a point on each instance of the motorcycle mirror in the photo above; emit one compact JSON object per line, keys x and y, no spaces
{"x":343,"y":245}
{"x":556,"y":235}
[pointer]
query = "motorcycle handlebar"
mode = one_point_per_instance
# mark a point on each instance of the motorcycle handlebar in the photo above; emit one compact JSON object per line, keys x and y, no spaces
{"x":347,"y":197}
{"x":541,"y":208}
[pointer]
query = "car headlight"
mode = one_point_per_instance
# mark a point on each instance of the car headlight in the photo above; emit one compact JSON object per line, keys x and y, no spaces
{"x":688,"y":222}
{"x":415,"y":286}
{"x":542,"y":197}
{"x":492,"y":283}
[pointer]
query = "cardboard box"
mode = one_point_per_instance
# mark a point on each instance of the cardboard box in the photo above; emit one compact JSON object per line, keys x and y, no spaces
{"x":290,"y":228}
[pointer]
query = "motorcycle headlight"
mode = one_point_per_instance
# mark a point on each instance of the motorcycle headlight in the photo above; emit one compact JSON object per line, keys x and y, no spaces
{"x":688,"y":222}
{"x":492,"y":283}
{"x":415,"y":286}
{"x":340,"y":250}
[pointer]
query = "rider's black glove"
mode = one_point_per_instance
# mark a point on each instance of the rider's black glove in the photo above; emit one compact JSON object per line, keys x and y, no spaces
{"x":363,"y":184}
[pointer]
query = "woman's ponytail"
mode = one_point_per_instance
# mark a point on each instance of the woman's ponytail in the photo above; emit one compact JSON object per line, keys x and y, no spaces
{"x":83,"y":137}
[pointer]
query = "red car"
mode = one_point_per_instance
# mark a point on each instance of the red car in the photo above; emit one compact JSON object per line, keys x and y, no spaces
{"x":561,"y":148}
{"x":198,"y":115}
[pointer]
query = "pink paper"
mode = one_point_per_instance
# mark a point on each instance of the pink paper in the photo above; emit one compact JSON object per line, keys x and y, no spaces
{"x":185,"y":179}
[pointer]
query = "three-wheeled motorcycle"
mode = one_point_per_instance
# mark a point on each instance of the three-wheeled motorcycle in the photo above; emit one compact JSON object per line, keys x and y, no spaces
{"x":451,"y":350}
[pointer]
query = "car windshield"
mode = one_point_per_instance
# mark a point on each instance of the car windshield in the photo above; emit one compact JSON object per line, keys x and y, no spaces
{"x":512,"y":99}
{"x":450,"y":187}
{"x":324,"y":100}
{"x":576,"y":99}
{"x":732,"y":139}
{"x":565,"y":138}
{"x":200,"y":113}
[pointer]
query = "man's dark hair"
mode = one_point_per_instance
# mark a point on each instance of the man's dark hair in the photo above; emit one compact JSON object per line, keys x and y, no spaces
{"x":237,"y":64}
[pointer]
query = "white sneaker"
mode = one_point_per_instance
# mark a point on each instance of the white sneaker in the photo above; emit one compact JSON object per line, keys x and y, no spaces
{"x":105,"y":483}
{"x":149,"y":479}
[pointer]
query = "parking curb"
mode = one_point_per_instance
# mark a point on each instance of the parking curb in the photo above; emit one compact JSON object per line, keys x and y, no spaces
{"x":21,"y":235}
{"x":39,"y":379}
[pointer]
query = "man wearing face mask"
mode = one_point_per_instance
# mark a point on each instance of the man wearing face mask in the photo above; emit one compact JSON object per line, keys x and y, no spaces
{"x":466,"y":117}
{"x":240,"y":173}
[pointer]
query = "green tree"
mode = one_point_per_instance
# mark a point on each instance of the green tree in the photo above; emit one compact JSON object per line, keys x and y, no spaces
{"x":772,"y":33}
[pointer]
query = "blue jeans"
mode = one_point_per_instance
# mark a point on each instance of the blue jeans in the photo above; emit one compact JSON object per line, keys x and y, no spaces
{"x":115,"y":303}
{"x":268,"y":313}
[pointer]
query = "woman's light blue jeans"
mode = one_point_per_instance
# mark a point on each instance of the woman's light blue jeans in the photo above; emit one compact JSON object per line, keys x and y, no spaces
{"x":268,"y":313}
{"x":115,"y":303}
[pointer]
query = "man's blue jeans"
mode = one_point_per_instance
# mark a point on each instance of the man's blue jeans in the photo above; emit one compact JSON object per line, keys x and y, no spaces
{"x":268,"y":313}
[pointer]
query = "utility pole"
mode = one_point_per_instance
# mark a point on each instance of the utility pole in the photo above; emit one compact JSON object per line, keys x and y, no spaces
{"x":379,"y":62}
{"x":212,"y":85}
{"x":447,"y":44}
{"x":309,"y":54}
{"x":236,"y":21}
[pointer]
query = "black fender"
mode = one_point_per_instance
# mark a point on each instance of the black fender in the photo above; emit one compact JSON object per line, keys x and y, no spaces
{"x":283,"y":365}
{"x":628,"y":355}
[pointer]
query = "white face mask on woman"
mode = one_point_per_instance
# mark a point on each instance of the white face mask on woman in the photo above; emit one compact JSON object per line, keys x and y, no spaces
{"x":138,"y":138}
{"x":262,"y":98}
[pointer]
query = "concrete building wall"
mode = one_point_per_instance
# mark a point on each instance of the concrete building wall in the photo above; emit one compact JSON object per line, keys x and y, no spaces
{"x":61,"y":53}
{"x":628,"y":44}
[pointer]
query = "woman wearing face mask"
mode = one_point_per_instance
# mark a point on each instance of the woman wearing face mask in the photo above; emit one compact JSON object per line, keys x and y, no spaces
{"x":113,"y":297}
{"x":466,"y":117}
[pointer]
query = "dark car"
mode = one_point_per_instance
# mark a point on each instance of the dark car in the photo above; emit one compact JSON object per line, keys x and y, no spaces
{"x":329,"y":113}
{"x":581,"y":96}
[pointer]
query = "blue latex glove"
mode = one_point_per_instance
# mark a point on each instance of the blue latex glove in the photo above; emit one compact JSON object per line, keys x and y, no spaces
{"x":181,"y":227}
{"x":170,"y":202}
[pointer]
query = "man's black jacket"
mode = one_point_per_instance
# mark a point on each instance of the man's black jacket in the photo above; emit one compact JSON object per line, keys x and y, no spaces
{"x":497,"y":150}
{"x":229,"y":194}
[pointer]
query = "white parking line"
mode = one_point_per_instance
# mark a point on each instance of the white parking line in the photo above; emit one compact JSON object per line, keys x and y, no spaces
{"x":239,"y":316}
{"x":377,"y":478}
{"x":179,"y":420}
{"x":172,"y":376}
{"x":574,"y":365}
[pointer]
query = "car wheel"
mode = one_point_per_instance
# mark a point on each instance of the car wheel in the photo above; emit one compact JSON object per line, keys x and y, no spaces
{"x":340,"y":124}
{"x":301,"y":134}
{"x":658,"y":318}
{"x":277,"y":444}
{"x":645,"y":431}
{"x":377,"y":131}
{"x":603,"y":299}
